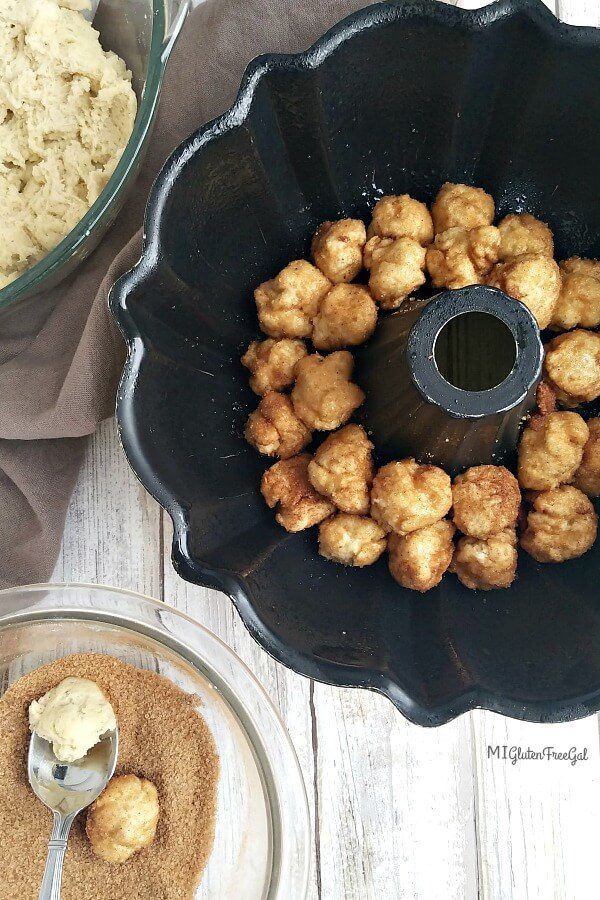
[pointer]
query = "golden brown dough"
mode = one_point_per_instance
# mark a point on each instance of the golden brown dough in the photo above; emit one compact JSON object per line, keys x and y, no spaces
{"x":485,"y":501}
{"x":534,"y":280}
{"x":486,"y":565}
{"x":551,"y":450}
{"x":399,"y":216}
{"x":397,"y":269}
{"x":342,"y":469}
{"x":418,"y":560}
{"x":337,"y":249}
{"x":347,"y":317}
{"x":275,"y":429}
{"x":522,"y":233}
{"x":572,"y":366}
{"x":545,"y":399}
{"x":286,"y":486}
{"x":579,"y":298}
{"x":406,"y":496}
{"x":123,"y":819}
{"x":562,"y":525}
{"x":273,"y":363}
{"x":351,"y":540}
{"x":323,"y":396}
{"x":461,"y":206}
{"x":458,"y":258}
{"x":587,"y":476}
{"x":288,"y":303}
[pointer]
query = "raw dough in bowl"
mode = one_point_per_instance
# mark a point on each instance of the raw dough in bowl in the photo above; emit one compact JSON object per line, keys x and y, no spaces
{"x":66,"y":113}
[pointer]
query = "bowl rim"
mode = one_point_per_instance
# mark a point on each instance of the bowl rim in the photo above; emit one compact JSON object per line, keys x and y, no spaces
{"x":164,"y":36}
{"x":381,"y":680}
{"x":254,"y":712}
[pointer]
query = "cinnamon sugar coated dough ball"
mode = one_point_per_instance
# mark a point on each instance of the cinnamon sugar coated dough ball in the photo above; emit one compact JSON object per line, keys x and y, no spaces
{"x":534,"y":280}
{"x":286,"y":486}
{"x":458,"y":258}
{"x":587,"y":476}
{"x":579,"y":298}
{"x":275,"y":429}
{"x":551,"y":450}
{"x":342,"y":469}
{"x":351,"y":540}
{"x":461,"y":206}
{"x":572,"y":366}
{"x":562,"y":525}
{"x":418,"y":560}
{"x":337,"y":249}
{"x":123,"y":819}
{"x":397,"y":269}
{"x":288,"y":303}
{"x":323,"y":396}
{"x":273,"y":363}
{"x":486,"y":565}
{"x":485,"y":501}
{"x":402,"y":216}
{"x":347,"y":317}
{"x":522,"y":233}
{"x":406,"y":496}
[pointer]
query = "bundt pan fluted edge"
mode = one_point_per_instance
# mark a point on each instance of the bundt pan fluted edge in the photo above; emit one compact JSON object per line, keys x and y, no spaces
{"x":397,"y":98}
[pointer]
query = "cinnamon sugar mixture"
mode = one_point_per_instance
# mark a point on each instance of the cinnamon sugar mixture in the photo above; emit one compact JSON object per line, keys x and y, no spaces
{"x":161,"y":737}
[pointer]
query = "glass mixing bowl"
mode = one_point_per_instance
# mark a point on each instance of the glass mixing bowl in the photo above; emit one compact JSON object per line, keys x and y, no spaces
{"x":143,"y":33}
{"x":262,"y":841}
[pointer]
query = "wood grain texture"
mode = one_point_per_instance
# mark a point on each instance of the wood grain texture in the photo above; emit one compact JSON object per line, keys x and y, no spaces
{"x":399,"y":812}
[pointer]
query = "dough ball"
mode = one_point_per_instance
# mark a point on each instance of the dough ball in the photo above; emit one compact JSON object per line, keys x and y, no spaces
{"x":485,"y":501}
{"x":397,"y":269}
{"x":123,"y":819}
{"x":273,"y":363}
{"x":562,"y":525}
{"x":347,"y":317}
{"x":288,"y":303}
{"x":551,"y":450}
{"x":286,"y":486}
{"x":587,"y":476}
{"x":576,"y":265}
{"x":484,"y":565}
{"x":461,"y":206}
{"x":572,"y":366}
{"x":323,"y":396}
{"x":579,"y":298}
{"x":402,"y":216}
{"x":458,"y":258}
{"x":275,"y":429}
{"x":337,"y":249}
{"x":351,"y":540}
{"x":407,"y":496}
{"x":418,"y":560}
{"x":342,"y":469}
{"x":534,"y":280}
{"x":522,"y":233}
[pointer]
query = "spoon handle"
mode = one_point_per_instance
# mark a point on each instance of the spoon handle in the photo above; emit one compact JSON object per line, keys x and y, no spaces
{"x":57,"y":845}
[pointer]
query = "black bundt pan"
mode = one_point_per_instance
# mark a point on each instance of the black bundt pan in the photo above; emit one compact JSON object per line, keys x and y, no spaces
{"x":399,"y":97}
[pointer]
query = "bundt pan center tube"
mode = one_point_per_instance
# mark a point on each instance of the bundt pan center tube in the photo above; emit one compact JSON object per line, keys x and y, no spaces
{"x":398,"y":98}
{"x":449,"y":381}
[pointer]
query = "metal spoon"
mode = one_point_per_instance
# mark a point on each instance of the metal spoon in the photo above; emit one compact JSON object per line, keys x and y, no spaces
{"x":67,"y":788}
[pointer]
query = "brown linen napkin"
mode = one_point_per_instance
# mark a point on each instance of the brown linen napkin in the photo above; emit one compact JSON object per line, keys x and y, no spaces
{"x":58,"y":378}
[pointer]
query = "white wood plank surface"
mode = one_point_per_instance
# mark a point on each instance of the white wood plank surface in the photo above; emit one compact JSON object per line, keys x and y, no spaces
{"x":399,"y":812}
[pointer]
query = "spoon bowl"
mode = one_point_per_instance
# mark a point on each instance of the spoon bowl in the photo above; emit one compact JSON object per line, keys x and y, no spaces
{"x":66,"y":789}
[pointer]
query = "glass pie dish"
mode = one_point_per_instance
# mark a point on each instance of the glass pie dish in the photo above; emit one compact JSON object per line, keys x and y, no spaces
{"x":143,"y":33}
{"x":262,"y":842}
